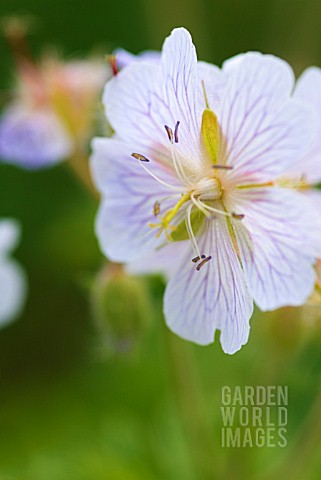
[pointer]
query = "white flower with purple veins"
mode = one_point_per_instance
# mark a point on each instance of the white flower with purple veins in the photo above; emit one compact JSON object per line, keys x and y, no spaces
{"x":12,"y":277}
{"x":192,"y":173}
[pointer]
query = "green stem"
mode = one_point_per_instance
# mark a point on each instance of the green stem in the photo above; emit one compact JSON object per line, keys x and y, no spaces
{"x":191,"y":406}
{"x":78,"y":163}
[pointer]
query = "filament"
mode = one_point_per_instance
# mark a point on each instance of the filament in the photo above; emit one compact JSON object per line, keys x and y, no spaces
{"x":190,"y":231}
{"x":168,"y":185}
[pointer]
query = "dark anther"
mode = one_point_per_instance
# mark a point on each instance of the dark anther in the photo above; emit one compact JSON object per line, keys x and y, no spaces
{"x":176,"y":132}
{"x":238,"y":216}
{"x":156,"y":209}
{"x":199,"y":266}
{"x":222,"y":167}
{"x":140,"y":157}
{"x":169,"y":132}
{"x":196,"y":259}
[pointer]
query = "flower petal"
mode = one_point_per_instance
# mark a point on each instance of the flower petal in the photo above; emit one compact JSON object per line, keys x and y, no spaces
{"x":308,"y":89}
{"x":314,"y":195}
{"x":129,"y":100}
{"x":277,"y":246}
{"x":265,"y":130}
{"x":214,"y":81}
{"x":215,"y":297}
{"x":161,"y":261}
{"x":129,"y":195}
{"x":33,"y":138}
{"x":9,"y":235}
{"x":179,"y":65}
{"x":143,"y":98}
{"x":12,"y":290}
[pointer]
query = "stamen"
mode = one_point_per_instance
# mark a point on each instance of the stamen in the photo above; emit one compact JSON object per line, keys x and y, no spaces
{"x":238,"y":216}
{"x":256,"y":185}
{"x":222,"y":167}
{"x":140,"y":157}
{"x":190,"y":231}
{"x":168,"y":185}
{"x":169,"y":132}
{"x":205,"y":95}
{"x":203,"y":207}
{"x":199,"y":205}
{"x":197,"y":259}
{"x":165,"y":224}
{"x":200,"y":265}
{"x":176,"y":132}
{"x":179,"y":168}
{"x":176,"y":162}
{"x":156,"y":209}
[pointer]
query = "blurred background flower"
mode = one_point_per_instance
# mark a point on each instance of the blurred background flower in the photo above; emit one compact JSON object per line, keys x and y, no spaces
{"x":124,"y":58}
{"x":12,"y":277}
{"x":69,"y":414}
{"x":52,"y":112}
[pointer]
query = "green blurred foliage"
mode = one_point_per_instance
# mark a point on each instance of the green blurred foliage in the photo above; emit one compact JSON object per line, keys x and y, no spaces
{"x":64,"y":412}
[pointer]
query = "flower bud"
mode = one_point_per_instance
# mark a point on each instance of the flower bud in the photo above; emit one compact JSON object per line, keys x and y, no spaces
{"x":121,"y":309}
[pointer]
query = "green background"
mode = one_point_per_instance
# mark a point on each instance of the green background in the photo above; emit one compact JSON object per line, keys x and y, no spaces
{"x":77,"y":408}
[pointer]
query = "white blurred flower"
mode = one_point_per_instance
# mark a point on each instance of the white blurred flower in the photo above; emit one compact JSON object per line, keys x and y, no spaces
{"x":13,"y":283}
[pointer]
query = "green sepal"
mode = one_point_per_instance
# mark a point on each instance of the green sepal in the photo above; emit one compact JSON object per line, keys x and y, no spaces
{"x":181,"y":233}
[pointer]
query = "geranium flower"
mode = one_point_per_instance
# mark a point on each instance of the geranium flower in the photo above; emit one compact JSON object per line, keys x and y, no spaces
{"x":191,"y":172}
{"x":12,"y":277}
{"x":51,"y":115}
{"x":125,"y":58}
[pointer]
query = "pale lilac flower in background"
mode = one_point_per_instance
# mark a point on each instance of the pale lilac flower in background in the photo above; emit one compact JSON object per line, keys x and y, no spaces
{"x":12,"y":277}
{"x":82,"y":77}
{"x":33,"y":137}
{"x":52,"y":113}
{"x":125,"y":58}
{"x":74,"y":89}
{"x":192,"y":173}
